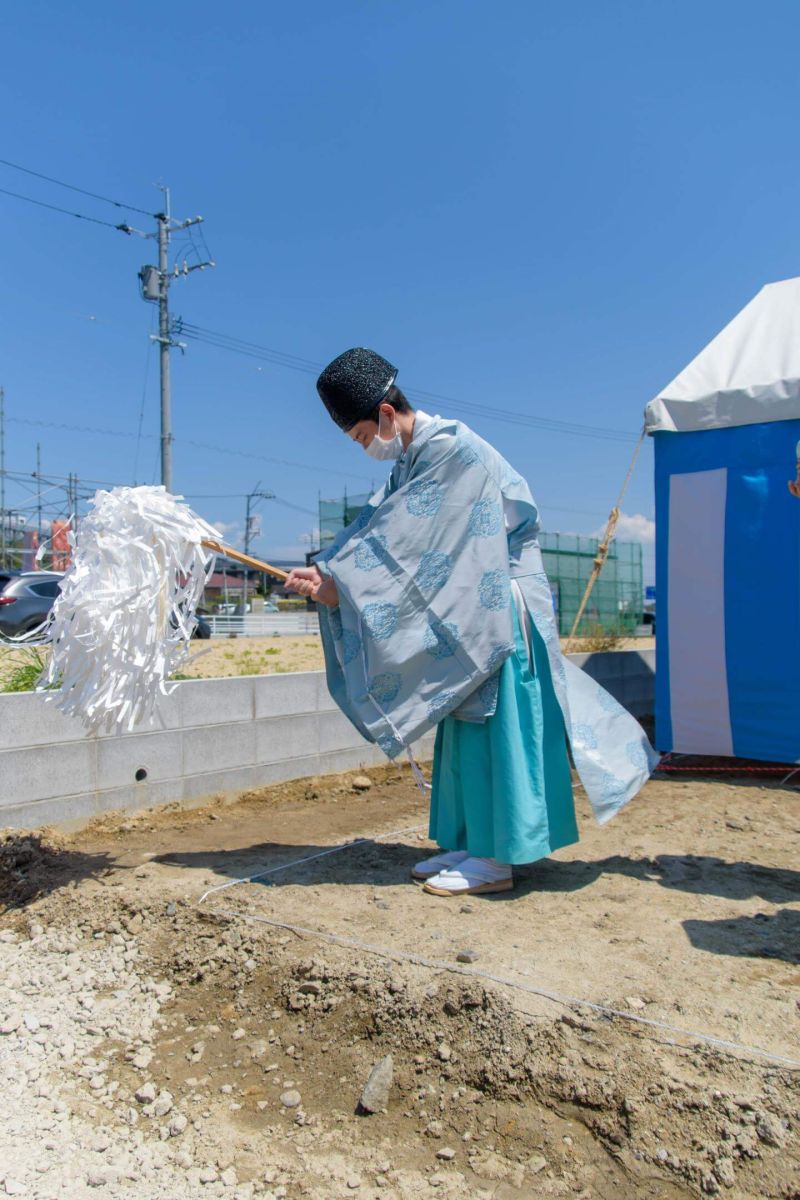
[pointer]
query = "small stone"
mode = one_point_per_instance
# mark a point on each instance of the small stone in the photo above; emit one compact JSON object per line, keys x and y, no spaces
{"x":635,"y":1002}
{"x":238,"y":1034}
{"x":142,"y":1059}
{"x":467,"y":956}
{"x":13,"y":1186}
{"x":12,"y":1023}
{"x":467,"y":908}
{"x":446,"y":1154}
{"x":723,"y":1169}
{"x":735,"y":825}
{"x":661,"y":1154}
{"x":444,"y":1052}
{"x":229,"y":1177}
{"x":163,"y":1104}
{"x":375,"y":1096}
{"x":536,"y":1164}
{"x":770,"y":1130}
{"x":208,"y":1175}
{"x":362,"y":783}
{"x":290,"y":1099}
{"x":146,"y":1094}
{"x":178,"y":1124}
{"x":353,"y":1182}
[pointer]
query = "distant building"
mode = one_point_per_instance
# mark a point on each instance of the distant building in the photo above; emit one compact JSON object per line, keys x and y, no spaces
{"x":231,"y":580}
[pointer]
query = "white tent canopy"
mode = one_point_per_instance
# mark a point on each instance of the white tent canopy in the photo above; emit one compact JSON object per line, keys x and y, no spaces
{"x":748,"y":374}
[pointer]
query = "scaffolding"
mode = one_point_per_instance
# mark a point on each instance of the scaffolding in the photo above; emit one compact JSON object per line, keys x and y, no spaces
{"x":616,"y":602}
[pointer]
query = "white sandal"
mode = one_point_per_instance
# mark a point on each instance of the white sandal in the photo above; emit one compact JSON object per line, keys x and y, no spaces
{"x":472,"y":877}
{"x":440,"y":862}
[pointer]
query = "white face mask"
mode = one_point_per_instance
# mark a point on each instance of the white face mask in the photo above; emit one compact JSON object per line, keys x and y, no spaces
{"x":385,"y":448}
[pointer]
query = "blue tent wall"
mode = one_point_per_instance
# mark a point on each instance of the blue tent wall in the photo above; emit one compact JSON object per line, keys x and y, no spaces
{"x":761,"y":586}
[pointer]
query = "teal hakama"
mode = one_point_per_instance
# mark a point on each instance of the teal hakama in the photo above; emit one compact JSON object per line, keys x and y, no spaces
{"x":502,"y":789}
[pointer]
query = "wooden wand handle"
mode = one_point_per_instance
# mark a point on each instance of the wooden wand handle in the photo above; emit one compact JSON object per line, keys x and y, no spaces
{"x":247,"y":560}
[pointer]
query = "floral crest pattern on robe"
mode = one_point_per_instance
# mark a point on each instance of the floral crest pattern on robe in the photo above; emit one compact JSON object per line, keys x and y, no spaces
{"x":424,"y":619}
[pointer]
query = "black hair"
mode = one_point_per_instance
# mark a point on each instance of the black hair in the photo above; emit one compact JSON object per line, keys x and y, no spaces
{"x":397,"y":400}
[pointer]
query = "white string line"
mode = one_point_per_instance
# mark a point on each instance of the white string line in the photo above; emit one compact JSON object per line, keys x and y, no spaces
{"x":310,"y":858}
{"x":440,"y":965}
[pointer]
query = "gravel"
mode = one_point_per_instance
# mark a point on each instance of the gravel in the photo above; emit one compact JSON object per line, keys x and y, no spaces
{"x":63,"y":996}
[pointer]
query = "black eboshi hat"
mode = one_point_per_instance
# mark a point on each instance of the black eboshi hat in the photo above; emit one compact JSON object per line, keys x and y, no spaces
{"x":353,"y":385}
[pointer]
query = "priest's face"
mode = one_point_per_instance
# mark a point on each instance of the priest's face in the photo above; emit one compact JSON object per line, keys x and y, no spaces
{"x":364,"y":431}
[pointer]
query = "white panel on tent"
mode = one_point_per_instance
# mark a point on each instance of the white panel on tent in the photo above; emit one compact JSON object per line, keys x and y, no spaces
{"x":701,"y":722}
{"x":748,"y":374}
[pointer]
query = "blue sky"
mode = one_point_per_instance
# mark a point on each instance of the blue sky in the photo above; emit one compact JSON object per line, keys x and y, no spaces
{"x":542,"y":207}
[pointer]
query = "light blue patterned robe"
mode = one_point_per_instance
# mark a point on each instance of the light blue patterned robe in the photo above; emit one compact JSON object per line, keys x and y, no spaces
{"x":424,"y":618}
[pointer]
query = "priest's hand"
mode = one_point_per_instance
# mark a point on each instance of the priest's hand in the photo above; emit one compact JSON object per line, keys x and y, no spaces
{"x":304,"y":580}
{"x":327,"y":593}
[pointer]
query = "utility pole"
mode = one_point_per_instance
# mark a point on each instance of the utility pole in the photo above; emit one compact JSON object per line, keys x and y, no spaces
{"x":39,"y":491}
{"x":155,"y":284}
{"x":165,"y":345}
{"x":2,"y":477}
{"x":249,"y":522}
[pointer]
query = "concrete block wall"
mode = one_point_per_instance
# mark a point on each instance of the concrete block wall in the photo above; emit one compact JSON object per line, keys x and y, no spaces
{"x":212,"y":736}
{"x":629,"y":675}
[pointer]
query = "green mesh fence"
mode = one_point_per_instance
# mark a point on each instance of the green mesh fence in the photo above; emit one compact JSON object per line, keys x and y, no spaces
{"x":615,"y":605}
{"x":336,"y":514}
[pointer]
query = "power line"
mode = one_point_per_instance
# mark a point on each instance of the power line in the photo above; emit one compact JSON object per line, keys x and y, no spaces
{"x":278,"y":358}
{"x":68,"y":212}
{"x":285,"y":462}
{"x":60,"y":182}
{"x":120,"y":433}
{"x":249,"y":349}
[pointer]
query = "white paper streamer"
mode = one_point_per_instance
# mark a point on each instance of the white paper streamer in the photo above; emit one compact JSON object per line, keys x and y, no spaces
{"x":122,"y":621}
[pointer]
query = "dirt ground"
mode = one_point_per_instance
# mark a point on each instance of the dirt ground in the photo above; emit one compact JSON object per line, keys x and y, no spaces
{"x":216,"y":1043}
{"x":216,"y":657}
{"x":260,"y":656}
{"x":253,"y":656}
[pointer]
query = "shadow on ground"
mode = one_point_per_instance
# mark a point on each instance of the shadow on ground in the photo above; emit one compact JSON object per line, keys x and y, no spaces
{"x":775,"y":935}
{"x":702,"y":875}
{"x":31,"y":867}
{"x":379,"y":864}
{"x":387,"y":864}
